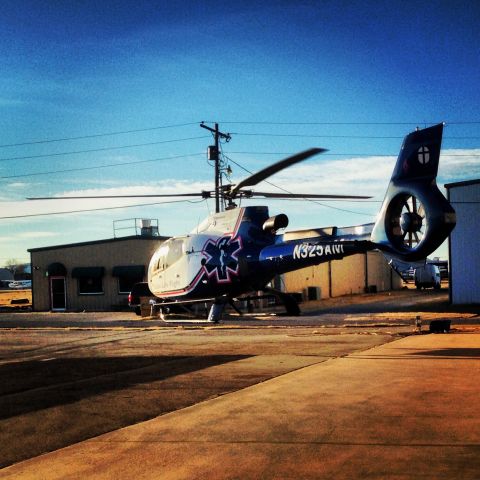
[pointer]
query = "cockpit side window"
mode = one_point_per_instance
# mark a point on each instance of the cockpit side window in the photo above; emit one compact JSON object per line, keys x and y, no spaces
{"x":175,"y":251}
{"x":169,"y":253}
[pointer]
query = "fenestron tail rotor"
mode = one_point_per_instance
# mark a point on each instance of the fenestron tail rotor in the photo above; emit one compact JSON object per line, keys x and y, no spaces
{"x":407,"y":221}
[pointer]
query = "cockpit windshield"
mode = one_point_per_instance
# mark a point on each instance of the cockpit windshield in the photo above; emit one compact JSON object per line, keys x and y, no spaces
{"x":169,"y":253}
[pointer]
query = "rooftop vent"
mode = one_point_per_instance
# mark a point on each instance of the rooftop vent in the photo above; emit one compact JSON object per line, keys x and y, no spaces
{"x":144,"y":227}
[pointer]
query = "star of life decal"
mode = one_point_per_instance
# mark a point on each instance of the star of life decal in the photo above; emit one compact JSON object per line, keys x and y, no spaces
{"x":221,"y":258}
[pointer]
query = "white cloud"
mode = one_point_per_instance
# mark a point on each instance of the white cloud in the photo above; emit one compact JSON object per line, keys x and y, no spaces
{"x":27,"y":235}
{"x":367,"y":175}
{"x":15,"y":211}
{"x":458,"y":165}
{"x":38,"y":234}
{"x":167,"y":186}
{"x":18,"y":185}
{"x":355,"y":176}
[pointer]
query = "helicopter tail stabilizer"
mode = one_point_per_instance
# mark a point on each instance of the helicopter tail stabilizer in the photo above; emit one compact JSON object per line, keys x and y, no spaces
{"x":415,"y":217}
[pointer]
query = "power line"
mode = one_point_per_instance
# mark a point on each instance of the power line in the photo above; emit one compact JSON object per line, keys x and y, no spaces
{"x":181,"y":201}
{"x":309,"y":136}
{"x":366,"y":137}
{"x":178,"y":125}
{"x":324,"y":154}
{"x":329,"y":153}
{"x":136,"y":162}
{"x":96,"y":135}
{"x":97,"y":209}
{"x":475,"y":122}
{"x":447,"y":137}
{"x":307,"y":199}
{"x":102,"y":149}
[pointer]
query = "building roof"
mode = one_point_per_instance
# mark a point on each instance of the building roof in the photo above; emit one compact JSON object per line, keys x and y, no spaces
{"x":462,"y":184}
{"x":98,"y":242}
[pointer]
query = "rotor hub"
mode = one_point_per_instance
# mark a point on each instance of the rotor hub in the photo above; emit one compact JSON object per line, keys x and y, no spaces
{"x":411,"y":222}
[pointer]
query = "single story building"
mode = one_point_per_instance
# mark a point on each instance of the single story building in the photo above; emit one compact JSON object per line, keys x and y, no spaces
{"x":92,"y":276}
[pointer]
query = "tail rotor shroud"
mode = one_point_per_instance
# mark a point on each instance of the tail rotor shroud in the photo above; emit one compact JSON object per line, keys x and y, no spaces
{"x":415,"y":217}
{"x":408,"y":222}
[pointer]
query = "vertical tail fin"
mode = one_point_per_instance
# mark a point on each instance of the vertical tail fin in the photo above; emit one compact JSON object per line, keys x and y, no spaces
{"x":415,"y":217}
{"x":419,"y":155}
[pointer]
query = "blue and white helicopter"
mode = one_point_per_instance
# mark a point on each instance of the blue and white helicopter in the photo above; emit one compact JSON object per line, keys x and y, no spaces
{"x":240,"y":250}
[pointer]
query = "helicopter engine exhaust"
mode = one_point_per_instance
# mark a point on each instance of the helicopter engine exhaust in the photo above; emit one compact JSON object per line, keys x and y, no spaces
{"x":275,"y":223}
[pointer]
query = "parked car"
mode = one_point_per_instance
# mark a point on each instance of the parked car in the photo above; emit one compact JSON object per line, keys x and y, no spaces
{"x":409,"y":274}
{"x":20,"y":284}
{"x":139,"y":290}
{"x":427,"y":276}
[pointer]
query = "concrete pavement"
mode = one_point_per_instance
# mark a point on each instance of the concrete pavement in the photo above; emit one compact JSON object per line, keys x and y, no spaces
{"x":408,"y":409}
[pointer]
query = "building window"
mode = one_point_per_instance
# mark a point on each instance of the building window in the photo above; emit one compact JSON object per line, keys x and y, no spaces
{"x":128,"y":276}
{"x":90,"y":285}
{"x":90,"y":280}
{"x":125,"y":284}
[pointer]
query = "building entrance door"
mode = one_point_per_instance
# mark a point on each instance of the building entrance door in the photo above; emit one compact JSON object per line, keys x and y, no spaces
{"x":58,"y":294}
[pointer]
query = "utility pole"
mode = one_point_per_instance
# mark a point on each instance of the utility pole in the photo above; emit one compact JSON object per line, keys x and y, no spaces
{"x":214,"y":154}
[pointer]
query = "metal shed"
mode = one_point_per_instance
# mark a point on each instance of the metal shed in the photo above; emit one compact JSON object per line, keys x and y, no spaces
{"x":463,"y":243}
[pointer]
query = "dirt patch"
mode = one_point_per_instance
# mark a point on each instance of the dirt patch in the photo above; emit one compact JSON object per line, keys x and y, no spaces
{"x":12,"y":299}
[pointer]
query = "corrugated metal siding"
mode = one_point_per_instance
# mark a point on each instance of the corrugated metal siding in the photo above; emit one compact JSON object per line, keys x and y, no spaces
{"x":381,"y":275}
{"x":348,"y":276}
{"x":316,"y":276}
{"x":464,"y":249}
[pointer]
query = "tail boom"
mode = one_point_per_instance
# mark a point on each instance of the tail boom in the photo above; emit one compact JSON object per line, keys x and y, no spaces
{"x":288,"y":256}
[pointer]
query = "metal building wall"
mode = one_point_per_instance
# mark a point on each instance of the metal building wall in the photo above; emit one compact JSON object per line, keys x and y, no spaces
{"x":344,"y":277}
{"x":380,"y":274}
{"x":464,"y":251}
{"x":348,"y":276}
{"x":316,"y":276}
{"x":107,"y":254}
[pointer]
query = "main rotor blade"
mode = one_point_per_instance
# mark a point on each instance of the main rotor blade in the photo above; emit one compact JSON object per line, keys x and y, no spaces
{"x":153,"y":195}
{"x":307,"y":195}
{"x":276,"y":167}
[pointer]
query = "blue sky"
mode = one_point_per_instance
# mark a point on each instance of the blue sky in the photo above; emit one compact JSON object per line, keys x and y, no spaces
{"x":77,"y":69}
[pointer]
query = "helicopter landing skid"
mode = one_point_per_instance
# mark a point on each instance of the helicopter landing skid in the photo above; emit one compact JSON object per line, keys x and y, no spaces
{"x":216,"y":310}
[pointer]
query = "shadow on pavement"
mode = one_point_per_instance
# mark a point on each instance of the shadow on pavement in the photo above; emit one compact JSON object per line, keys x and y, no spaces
{"x":451,"y":352}
{"x":36,"y":385}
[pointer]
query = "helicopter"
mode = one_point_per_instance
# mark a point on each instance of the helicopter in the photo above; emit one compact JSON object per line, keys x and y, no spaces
{"x":240,"y":250}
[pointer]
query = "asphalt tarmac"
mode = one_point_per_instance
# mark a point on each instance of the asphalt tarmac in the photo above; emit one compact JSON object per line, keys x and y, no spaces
{"x":362,"y":397}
